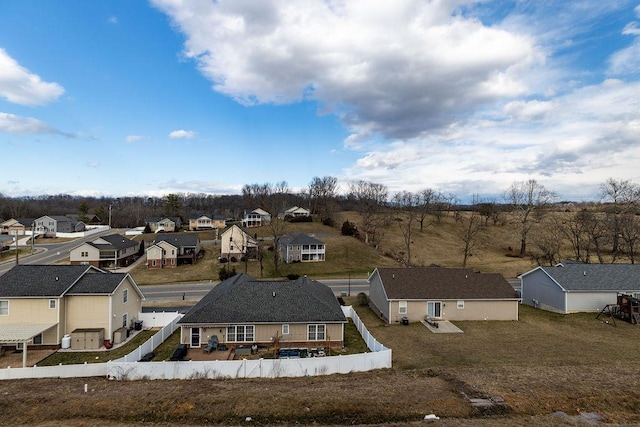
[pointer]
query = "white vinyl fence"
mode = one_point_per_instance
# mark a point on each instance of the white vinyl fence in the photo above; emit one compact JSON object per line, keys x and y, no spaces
{"x":128,"y":367}
{"x":379,"y":358}
{"x":91,"y":369}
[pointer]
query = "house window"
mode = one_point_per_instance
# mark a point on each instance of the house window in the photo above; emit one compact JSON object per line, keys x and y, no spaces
{"x":125,"y":296}
{"x":434,"y":309}
{"x":52,"y":303}
{"x":240,"y":333}
{"x":153,"y":263}
{"x":4,"y":308}
{"x":125,"y":320}
{"x":285,"y":329}
{"x":402,"y":307}
{"x":37,"y":339}
{"x":460,"y":304}
{"x":84,"y":254}
{"x":315,"y":332}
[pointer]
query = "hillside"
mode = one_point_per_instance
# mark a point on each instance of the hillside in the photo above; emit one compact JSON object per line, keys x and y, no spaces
{"x":439,"y":243}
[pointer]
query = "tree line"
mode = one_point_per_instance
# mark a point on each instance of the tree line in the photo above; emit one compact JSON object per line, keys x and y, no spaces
{"x":602,"y":231}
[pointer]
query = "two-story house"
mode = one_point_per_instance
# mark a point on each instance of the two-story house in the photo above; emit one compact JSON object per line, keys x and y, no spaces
{"x":49,"y":226}
{"x":256,"y":218}
{"x":109,"y":251}
{"x":164,"y":224}
{"x":40,"y":304}
{"x":237,"y":244}
{"x":300,"y":247}
{"x":199,"y":222}
{"x":169,"y":250}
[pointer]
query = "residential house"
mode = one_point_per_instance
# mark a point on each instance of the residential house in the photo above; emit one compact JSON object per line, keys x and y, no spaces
{"x":164,"y":224}
{"x":242,"y":311}
{"x":256,"y":218}
{"x":49,"y":226}
{"x":169,"y":250}
{"x":572,"y":287}
{"x":235,"y":244}
{"x":109,"y":251}
{"x":294,"y":212}
{"x":40,"y":304}
{"x":17,"y":227}
{"x":301,"y":247}
{"x":441,"y":293}
{"x":199,"y":222}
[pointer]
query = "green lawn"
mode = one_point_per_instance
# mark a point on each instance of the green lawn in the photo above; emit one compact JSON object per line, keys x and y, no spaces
{"x":77,"y":357}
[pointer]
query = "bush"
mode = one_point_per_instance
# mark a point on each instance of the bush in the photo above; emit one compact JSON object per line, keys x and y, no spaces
{"x":298,"y":218}
{"x":363,"y":299}
{"x":293,"y":276}
{"x":329,"y":221}
{"x":224,"y":274}
{"x":349,"y":229}
{"x":234,"y":259}
{"x":223,"y":260}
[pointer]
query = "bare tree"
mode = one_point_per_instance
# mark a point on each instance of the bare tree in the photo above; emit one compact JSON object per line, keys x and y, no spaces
{"x":370,"y":199}
{"x":548,"y":242}
{"x":406,"y":204}
{"x":630,"y":235}
{"x":529,"y":200}
{"x":426,"y":202}
{"x":469,"y":233}
{"x":322,"y":195}
{"x":620,"y":197}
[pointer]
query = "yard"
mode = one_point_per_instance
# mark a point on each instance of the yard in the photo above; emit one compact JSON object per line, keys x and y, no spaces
{"x":540,"y":365}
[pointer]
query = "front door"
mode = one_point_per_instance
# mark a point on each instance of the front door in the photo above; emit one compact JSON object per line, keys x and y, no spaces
{"x":434,"y":309}
{"x":195,"y":337}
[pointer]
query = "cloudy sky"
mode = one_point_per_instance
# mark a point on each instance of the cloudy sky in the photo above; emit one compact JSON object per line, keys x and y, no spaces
{"x":125,"y":97}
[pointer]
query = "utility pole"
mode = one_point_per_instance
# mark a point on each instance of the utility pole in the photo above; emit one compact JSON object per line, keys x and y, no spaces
{"x":17,"y":257}
{"x":109,"y":217}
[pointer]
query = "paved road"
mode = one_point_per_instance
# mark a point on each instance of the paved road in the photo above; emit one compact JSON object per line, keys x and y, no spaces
{"x":50,"y":254}
{"x":193,"y":291}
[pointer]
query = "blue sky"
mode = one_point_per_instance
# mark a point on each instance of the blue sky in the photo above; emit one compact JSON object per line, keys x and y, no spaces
{"x":197,"y":96}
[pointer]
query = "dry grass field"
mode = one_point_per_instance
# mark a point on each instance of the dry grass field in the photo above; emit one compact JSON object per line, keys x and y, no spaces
{"x":549,"y":369}
{"x":439,"y":243}
{"x":542,"y":365}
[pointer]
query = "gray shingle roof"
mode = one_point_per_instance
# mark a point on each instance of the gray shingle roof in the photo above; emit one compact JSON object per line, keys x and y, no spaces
{"x":40,"y":280}
{"x":97,"y":283}
{"x":115,"y":240}
{"x":299,"y":239}
{"x":178,"y":240}
{"x":242,"y":299}
{"x":596,"y":277}
{"x":444,"y":283}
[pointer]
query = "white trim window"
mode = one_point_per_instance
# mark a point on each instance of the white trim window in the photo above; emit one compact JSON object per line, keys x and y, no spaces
{"x":316,"y":332}
{"x":125,"y":320}
{"x":240,"y":333}
{"x":460,"y":304}
{"x":125,"y":296}
{"x":285,"y":329}
{"x":402,"y":307}
{"x":4,"y":307}
{"x":52,"y":303}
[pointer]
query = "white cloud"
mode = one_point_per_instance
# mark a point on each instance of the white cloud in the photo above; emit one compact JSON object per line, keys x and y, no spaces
{"x":93,"y":165}
{"x":113,"y":20}
{"x":571,"y":145}
{"x":133,"y":138}
{"x":20,"y":86}
{"x":182,"y":134}
{"x":394,"y":69}
{"x":10,"y":123}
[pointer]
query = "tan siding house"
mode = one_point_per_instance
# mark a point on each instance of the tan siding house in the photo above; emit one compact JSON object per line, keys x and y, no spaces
{"x":52,"y":301}
{"x":438,"y":293}
{"x":243,"y":311}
